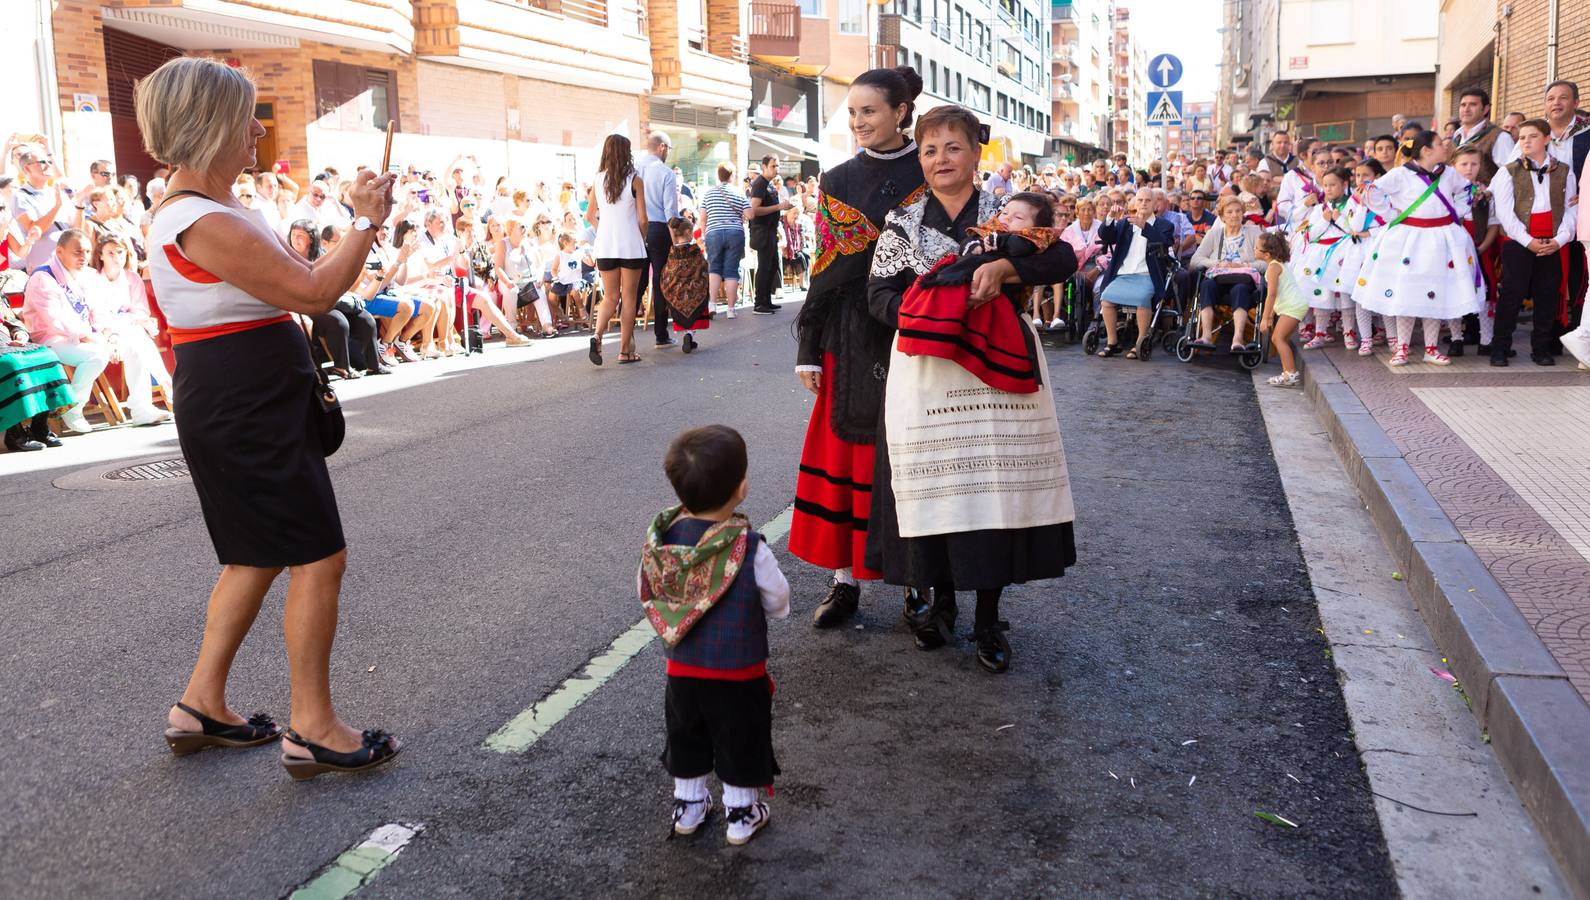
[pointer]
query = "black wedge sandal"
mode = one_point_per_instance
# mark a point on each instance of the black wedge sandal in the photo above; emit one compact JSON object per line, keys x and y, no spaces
{"x":378,"y":750}
{"x":259,"y":729}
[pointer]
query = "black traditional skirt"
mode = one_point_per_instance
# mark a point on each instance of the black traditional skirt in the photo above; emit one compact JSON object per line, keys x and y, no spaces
{"x":247,"y":428}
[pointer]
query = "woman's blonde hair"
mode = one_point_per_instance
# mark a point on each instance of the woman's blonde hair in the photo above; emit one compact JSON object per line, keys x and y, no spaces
{"x":191,"y":109}
{"x":1227,"y":200}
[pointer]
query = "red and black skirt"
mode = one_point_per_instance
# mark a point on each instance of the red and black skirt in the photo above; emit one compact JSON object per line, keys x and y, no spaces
{"x":833,"y":492}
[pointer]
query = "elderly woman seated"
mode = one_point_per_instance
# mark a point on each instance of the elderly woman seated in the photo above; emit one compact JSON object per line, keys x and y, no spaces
{"x":39,"y":387}
{"x":1231,"y":276}
{"x":1136,"y":276}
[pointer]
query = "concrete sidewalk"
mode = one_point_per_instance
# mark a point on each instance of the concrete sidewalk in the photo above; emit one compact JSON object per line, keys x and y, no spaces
{"x":1478,"y":480}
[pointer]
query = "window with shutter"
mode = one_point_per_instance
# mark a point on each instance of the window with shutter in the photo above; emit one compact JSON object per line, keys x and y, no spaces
{"x":354,"y":98}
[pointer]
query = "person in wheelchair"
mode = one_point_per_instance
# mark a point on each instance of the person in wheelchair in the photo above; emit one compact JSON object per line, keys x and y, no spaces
{"x":1139,"y":247}
{"x":1230,"y":273}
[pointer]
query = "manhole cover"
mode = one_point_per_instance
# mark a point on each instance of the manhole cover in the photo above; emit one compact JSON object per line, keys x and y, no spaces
{"x":159,"y":470}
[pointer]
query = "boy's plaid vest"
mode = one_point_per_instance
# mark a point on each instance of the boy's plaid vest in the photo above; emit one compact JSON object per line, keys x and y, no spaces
{"x":733,"y":634}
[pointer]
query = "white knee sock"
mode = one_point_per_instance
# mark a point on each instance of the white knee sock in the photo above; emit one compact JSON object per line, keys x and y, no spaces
{"x":736,"y":797}
{"x":843,"y":576}
{"x":693,"y":789}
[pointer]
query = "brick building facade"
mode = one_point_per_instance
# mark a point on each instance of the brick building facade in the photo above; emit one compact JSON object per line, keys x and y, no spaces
{"x":1523,"y":63}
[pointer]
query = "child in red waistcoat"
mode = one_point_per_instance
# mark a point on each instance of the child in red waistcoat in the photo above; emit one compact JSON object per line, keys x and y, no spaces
{"x":709,"y":583}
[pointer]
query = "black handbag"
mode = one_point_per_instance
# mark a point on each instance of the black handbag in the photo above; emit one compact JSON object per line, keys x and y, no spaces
{"x":330,"y":426}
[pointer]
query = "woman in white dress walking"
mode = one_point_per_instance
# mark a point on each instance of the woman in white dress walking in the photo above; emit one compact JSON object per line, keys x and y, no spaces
{"x":620,"y":247}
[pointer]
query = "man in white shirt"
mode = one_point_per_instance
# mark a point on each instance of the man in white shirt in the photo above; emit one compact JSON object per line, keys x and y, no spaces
{"x":1532,"y":199}
{"x":1475,"y":127}
{"x":316,"y":206}
{"x":661,"y":187}
{"x":999,"y":183}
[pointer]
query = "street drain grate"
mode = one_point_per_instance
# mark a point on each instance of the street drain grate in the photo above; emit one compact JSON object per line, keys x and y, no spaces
{"x":159,"y":470}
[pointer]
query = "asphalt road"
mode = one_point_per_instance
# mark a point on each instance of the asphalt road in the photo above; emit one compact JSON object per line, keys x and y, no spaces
{"x":494,"y":520}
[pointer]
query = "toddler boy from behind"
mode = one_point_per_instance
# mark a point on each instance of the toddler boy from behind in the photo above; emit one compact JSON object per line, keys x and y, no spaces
{"x":709,"y":583}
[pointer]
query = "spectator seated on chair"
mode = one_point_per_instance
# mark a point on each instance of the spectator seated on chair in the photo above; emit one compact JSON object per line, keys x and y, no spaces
{"x":1230,"y":274}
{"x":56,"y":312}
{"x":37,"y":387}
{"x":120,"y":309}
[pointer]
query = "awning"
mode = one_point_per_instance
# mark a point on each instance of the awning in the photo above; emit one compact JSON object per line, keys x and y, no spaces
{"x":797,"y":147}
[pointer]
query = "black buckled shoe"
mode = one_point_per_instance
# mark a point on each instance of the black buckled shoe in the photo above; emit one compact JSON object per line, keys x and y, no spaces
{"x":1454,"y":349}
{"x":937,"y":628}
{"x":18,"y":440}
{"x":839,"y":605}
{"x":993,"y":650}
{"x":378,"y":749}
{"x":259,"y":729}
{"x":918,"y":603}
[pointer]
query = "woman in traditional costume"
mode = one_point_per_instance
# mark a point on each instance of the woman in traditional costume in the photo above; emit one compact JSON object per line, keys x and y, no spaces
{"x":971,"y":492}
{"x":843,"y":356}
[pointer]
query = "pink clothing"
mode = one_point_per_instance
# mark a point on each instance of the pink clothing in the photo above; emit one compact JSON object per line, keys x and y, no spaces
{"x":123,"y":300}
{"x":1085,"y":244}
{"x":55,"y":312}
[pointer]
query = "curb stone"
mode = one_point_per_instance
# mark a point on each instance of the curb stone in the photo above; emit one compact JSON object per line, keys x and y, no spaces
{"x":1538,"y":723}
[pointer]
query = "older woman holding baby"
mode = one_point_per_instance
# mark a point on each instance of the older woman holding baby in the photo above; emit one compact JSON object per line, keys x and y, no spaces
{"x":972,"y":493}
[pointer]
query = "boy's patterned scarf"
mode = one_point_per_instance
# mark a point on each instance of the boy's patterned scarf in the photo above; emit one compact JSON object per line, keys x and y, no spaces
{"x":680,"y":583}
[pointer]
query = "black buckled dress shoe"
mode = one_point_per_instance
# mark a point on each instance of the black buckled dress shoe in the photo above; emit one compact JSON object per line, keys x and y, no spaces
{"x":1454,"y":349}
{"x":839,"y":605}
{"x":1499,"y":360}
{"x":19,"y":441}
{"x":993,"y":650}
{"x":1543,"y":359}
{"x":918,"y":604}
{"x":937,"y":628}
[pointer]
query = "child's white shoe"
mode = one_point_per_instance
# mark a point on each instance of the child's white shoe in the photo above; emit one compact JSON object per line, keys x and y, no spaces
{"x":689,"y":814}
{"x":746,"y":821}
{"x":1057,"y":324}
{"x":1286,"y":379}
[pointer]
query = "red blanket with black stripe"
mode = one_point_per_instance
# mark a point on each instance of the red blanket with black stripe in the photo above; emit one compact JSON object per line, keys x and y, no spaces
{"x":991,"y":341}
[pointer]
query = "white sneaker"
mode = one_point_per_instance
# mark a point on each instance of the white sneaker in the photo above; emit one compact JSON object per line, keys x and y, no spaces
{"x":746,"y":821}
{"x":75,"y":422}
{"x":689,"y":814}
{"x":1057,"y":324}
{"x":730,"y":313}
{"x":150,"y":416}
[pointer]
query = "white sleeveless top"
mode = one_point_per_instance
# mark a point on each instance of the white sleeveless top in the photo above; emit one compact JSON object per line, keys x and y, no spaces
{"x":617,"y":230}
{"x":190,"y":296}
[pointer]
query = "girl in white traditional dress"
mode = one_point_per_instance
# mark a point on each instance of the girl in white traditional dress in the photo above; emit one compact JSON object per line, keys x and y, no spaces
{"x":1366,"y":215}
{"x":1423,"y":264}
{"x":1322,"y":236}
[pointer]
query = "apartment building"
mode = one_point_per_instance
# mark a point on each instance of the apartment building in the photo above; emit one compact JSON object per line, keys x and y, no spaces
{"x":528,"y":87}
{"x":1339,"y":69}
{"x":1081,"y":88}
{"x":1129,"y":131}
{"x":1195,"y":136}
{"x":990,"y":55}
{"x":805,"y":55}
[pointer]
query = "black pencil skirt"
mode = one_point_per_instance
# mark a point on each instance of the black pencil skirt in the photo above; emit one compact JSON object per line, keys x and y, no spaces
{"x":245,"y":411}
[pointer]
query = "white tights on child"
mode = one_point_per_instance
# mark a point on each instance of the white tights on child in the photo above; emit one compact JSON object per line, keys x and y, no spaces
{"x":692,"y":789}
{"x":1432,"y":330}
{"x":737,"y":797}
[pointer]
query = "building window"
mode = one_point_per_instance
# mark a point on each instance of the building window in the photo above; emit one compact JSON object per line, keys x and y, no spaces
{"x":852,"y":16}
{"x":812,"y":8}
{"x":933,"y":77}
{"x":960,"y":89}
{"x":1004,"y":107}
{"x":354,"y":97}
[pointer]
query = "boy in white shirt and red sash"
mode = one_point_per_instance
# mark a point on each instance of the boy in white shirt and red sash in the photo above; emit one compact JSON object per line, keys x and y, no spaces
{"x":1532,"y":199}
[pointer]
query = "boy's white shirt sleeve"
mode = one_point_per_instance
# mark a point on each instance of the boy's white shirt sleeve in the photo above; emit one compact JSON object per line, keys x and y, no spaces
{"x":770,"y":582}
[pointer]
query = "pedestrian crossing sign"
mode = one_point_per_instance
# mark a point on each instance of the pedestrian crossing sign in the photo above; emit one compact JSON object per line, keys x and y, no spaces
{"x":1164,"y":107}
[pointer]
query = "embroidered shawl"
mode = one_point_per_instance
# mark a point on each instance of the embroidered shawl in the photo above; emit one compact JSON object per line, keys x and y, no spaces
{"x":680,"y":583}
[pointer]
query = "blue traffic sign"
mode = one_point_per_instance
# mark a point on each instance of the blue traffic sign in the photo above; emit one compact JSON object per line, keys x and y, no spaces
{"x":1164,"y":70}
{"x":1164,"y":108}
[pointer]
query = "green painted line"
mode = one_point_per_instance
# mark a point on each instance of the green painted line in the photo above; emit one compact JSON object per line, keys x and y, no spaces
{"x":530,"y":725}
{"x":358,"y":865}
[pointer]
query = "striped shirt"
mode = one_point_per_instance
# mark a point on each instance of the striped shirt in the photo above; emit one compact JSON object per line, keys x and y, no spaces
{"x":724,"y":209}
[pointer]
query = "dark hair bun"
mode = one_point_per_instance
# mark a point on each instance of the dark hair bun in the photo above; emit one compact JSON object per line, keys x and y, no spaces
{"x":913,"y":81}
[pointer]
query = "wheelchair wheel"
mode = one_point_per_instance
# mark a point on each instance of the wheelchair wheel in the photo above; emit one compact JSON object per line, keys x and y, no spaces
{"x":1184,"y":348}
{"x":1090,"y":341}
{"x":1251,"y":359}
{"x":1171,"y":340}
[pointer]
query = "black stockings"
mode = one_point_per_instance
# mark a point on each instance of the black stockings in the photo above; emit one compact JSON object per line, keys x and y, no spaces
{"x":987,"y":602}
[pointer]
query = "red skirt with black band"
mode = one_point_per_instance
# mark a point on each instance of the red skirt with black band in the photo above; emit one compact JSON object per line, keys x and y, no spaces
{"x":833,"y":492}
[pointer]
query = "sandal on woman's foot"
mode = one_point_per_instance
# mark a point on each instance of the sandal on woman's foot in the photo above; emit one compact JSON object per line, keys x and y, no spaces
{"x":1109,"y":350}
{"x":595,"y":353}
{"x":1132,"y":353}
{"x":378,"y":749}
{"x":631,"y":357}
{"x":259,"y":729}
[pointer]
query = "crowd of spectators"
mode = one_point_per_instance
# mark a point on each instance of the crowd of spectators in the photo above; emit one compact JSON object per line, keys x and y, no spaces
{"x":467,"y":255}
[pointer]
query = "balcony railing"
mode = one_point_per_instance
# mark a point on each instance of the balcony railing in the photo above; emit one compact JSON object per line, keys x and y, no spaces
{"x":774,"y":28}
{"x":885,"y":56}
{"x":592,"y":11}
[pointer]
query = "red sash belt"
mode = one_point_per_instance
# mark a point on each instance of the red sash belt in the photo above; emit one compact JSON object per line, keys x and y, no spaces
{"x":1437,"y":222}
{"x":1326,"y":242}
{"x":189,"y":335}
{"x":1540,"y":227}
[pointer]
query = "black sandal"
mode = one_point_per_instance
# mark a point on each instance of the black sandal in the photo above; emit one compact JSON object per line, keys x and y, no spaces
{"x":259,"y":729}
{"x":1108,"y":351}
{"x":595,"y":353}
{"x":379,"y":749}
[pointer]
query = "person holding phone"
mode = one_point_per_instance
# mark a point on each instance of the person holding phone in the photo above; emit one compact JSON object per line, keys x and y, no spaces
{"x":228,"y":285}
